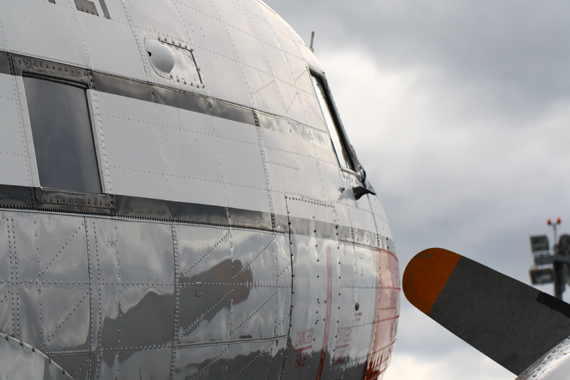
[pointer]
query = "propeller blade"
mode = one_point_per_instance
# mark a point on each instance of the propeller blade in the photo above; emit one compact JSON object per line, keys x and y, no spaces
{"x":512,"y":323}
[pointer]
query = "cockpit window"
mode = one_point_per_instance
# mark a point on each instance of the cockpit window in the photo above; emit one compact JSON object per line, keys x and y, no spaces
{"x":63,"y":138}
{"x":338,"y":142}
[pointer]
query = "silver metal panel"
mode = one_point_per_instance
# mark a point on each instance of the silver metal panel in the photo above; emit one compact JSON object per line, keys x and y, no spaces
{"x":241,"y":163}
{"x":301,"y":74}
{"x":364,"y":287}
{"x":264,"y":90}
{"x":382,"y":227}
{"x":149,"y":363}
{"x":162,"y":159}
{"x":283,"y":171}
{"x":6,"y":317}
{"x":157,"y":16}
{"x":258,"y":360}
{"x":200,"y":363}
{"x":13,"y":151}
{"x":313,"y":111}
{"x":133,"y":291}
{"x":27,"y":131}
{"x":236,"y":131}
{"x":19,"y":360}
{"x":309,"y":173}
{"x":283,"y":270}
{"x":204,"y":262}
{"x":190,"y":153}
{"x":248,"y":198}
{"x":190,"y":147}
{"x":220,"y":64}
{"x":323,"y":146}
{"x":316,"y":292}
{"x":58,"y":40}
{"x":106,"y":48}
{"x":363,"y":220}
{"x":332,"y":178}
{"x":255,"y":317}
{"x":223,"y":77}
{"x":49,"y":278}
{"x":377,"y":208}
{"x":258,"y":68}
{"x":100,"y":142}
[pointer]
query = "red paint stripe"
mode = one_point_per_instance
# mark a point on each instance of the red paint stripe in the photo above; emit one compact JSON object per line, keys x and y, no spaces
{"x":380,"y":353}
{"x":328,"y":317}
{"x":303,"y":348}
{"x":343,"y":346}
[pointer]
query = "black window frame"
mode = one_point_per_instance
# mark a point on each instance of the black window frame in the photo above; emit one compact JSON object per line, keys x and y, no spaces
{"x":357,"y":168}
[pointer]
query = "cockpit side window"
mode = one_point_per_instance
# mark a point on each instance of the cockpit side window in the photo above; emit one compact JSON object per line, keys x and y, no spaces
{"x":62,"y":134}
{"x":337,"y":137}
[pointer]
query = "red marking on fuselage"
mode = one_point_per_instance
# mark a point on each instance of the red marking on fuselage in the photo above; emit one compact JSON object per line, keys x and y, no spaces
{"x":304,"y":348}
{"x":328,"y":316}
{"x":376,"y":356}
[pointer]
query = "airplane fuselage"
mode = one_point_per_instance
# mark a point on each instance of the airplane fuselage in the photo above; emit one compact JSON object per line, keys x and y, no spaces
{"x":178,"y":199}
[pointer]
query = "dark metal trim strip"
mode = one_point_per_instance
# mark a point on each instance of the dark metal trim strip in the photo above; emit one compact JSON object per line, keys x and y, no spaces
{"x":5,"y":64}
{"x":41,"y":199}
{"x":20,"y":65}
{"x":126,"y":87}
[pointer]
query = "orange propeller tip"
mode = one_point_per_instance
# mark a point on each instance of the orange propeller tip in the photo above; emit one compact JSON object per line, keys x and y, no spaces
{"x":425,"y":276}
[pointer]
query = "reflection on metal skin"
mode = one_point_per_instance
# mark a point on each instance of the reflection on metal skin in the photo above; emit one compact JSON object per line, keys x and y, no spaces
{"x":19,"y":360}
{"x":554,"y":365}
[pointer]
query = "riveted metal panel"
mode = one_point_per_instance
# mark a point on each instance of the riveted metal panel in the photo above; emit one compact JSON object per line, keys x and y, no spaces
{"x":283,"y":171}
{"x":201,"y":362}
{"x":19,"y":360}
{"x":247,"y":170}
{"x":359,"y":324}
{"x":227,"y":129}
{"x":377,"y":209}
{"x":332,"y":180}
{"x":133,"y":288}
{"x":116,"y":50}
{"x":157,"y":16}
{"x":13,"y":150}
{"x":323,"y":147}
{"x":258,"y":360}
{"x":77,"y":366}
{"x":59,"y":40}
{"x":313,"y":111}
{"x":49,"y":275}
{"x":316,"y":291}
{"x":6,"y":315}
{"x":256,"y":316}
{"x":145,"y":363}
{"x":362,"y":220}
{"x":190,"y":148}
{"x":309,"y":174}
{"x":204,"y":260}
{"x":247,"y":197}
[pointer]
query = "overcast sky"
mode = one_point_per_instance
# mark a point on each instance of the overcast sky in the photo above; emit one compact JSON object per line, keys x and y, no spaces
{"x":459,"y":112}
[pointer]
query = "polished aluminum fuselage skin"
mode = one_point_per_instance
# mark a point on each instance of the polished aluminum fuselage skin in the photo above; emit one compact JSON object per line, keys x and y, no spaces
{"x":226,"y":241}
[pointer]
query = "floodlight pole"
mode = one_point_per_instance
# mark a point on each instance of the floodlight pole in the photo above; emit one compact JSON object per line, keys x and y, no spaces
{"x":559,"y":284}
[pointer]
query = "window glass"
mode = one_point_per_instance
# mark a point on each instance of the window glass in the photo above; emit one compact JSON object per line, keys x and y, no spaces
{"x":63,"y":138}
{"x":337,"y":141}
